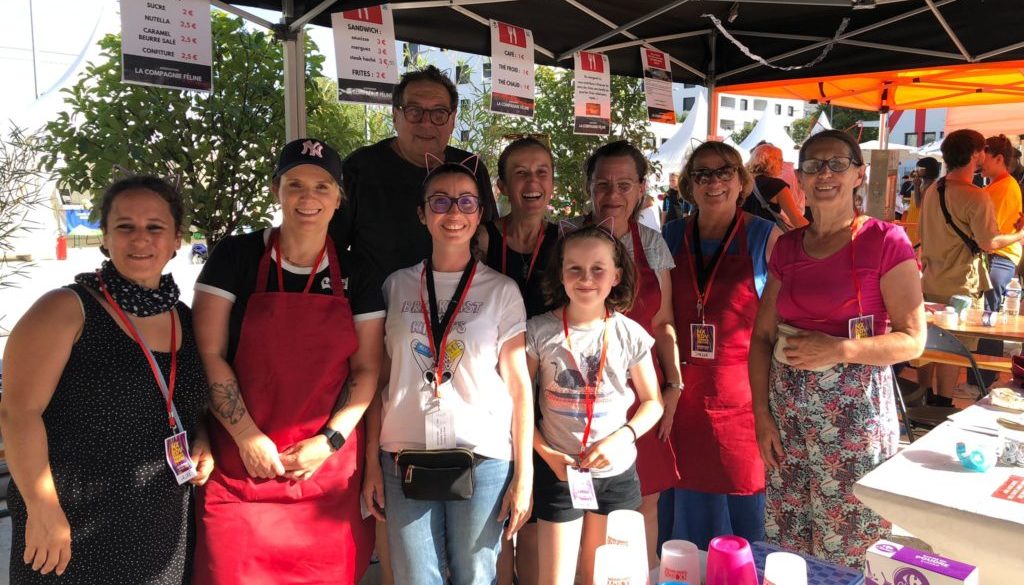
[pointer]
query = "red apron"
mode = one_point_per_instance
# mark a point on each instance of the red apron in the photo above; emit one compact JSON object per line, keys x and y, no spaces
{"x":713,"y":432}
{"x":655,"y":460}
{"x":291,"y":364}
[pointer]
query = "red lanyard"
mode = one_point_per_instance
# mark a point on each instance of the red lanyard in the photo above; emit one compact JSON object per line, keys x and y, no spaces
{"x":703,"y":296}
{"x":149,"y":356}
{"x":312,"y":271}
{"x":439,"y":351}
{"x":533,"y":258}
{"x":854,"y":229}
{"x":589,"y":392}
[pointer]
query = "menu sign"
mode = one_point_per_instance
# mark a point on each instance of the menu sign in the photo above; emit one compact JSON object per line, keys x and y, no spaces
{"x":364,"y":50}
{"x":167,"y":43}
{"x":658,"y":86}
{"x":511,"y":70}
{"x":592,"y":94}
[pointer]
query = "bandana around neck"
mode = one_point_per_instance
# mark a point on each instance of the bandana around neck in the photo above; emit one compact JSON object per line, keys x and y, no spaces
{"x":133,"y":298}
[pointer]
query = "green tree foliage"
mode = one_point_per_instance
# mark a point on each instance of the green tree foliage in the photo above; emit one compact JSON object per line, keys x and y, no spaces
{"x":554,"y":119}
{"x":21,"y":190}
{"x":800,"y":128}
{"x":846,"y":119}
{"x":219,"y":147}
{"x":740,"y":135}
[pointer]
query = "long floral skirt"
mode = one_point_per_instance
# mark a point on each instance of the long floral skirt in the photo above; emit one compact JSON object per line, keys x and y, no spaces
{"x":836,"y":426}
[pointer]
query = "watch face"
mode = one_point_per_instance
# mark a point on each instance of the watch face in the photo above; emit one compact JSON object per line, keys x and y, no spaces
{"x":335,"y":439}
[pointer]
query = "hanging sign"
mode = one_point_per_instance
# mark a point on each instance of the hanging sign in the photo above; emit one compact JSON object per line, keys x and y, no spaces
{"x":593,"y":94}
{"x":364,"y":50}
{"x":658,"y":86}
{"x":511,"y":70}
{"x":167,"y":43}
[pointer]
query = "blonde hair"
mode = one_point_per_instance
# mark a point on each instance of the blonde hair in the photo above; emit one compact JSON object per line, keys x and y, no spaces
{"x":726,"y":153}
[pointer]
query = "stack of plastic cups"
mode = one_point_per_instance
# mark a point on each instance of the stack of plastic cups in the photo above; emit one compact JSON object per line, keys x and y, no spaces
{"x":614,"y":565}
{"x":730,"y":562}
{"x":626,"y":528}
{"x":680,"y":561}
{"x":783,"y":568}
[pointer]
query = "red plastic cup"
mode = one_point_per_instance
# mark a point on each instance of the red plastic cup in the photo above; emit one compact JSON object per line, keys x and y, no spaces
{"x":730,"y":562}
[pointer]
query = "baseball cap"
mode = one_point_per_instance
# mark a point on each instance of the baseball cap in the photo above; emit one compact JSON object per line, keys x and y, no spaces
{"x":309,"y":151}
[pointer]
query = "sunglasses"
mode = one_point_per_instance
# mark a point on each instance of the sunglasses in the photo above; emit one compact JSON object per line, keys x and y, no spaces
{"x":414,"y":114}
{"x":703,"y":176}
{"x":467,"y":204}
{"x":836,"y":164}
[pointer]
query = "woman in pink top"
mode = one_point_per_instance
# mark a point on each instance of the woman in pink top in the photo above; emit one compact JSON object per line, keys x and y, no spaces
{"x":843,"y":301}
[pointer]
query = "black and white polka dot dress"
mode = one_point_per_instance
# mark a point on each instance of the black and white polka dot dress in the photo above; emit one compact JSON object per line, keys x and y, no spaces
{"x":106,"y":425}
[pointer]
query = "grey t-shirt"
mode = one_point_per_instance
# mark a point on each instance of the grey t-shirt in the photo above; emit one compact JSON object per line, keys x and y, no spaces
{"x":562,"y":395}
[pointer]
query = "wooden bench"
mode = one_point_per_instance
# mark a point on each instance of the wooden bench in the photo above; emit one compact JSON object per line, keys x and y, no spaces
{"x":985,"y":362}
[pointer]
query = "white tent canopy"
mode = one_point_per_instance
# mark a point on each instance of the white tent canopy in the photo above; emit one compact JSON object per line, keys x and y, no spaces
{"x":933,"y":148}
{"x":771,"y":128}
{"x":744,"y":153}
{"x":906,"y":152}
{"x":820,"y":123}
{"x":690,"y":134}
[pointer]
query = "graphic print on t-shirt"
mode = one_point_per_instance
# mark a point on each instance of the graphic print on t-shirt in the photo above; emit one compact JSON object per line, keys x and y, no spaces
{"x":454,"y":350}
{"x":566,"y":395}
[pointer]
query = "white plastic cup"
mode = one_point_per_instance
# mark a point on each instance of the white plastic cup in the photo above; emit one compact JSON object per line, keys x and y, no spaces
{"x":680,"y":561}
{"x":626,"y":527}
{"x":783,"y":568}
{"x":613,"y":565}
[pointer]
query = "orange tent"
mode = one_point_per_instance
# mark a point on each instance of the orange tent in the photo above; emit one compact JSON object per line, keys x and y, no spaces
{"x":975,"y":84}
{"x":989,"y":120}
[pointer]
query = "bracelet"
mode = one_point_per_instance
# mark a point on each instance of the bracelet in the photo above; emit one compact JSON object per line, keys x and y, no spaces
{"x":672,"y":386}
{"x":626,"y":426}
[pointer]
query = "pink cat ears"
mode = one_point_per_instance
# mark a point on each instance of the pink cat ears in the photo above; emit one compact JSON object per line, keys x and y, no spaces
{"x":566,"y":227}
{"x":471,"y":163}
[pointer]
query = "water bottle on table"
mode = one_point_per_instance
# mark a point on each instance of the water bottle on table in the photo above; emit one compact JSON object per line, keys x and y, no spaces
{"x":1011,"y":297}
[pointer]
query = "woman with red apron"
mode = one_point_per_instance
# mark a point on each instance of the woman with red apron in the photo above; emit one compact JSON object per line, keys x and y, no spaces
{"x":716,"y":293}
{"x":282,"y":506}
{"x":616,"y":179}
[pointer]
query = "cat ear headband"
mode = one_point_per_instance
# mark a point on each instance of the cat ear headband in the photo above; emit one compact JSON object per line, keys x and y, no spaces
{"x":471,"y":163}
{"x":566,"y":227}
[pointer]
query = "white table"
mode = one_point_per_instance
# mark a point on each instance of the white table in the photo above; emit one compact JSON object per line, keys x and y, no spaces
{"x":925,"y":490}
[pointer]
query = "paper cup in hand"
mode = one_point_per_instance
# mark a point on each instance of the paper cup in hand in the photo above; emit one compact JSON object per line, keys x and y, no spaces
{"x":785,"y":331}
{"x":730,"y":562}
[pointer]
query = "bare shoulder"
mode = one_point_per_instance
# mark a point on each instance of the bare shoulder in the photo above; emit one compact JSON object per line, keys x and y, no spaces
{"x":55,"y":317}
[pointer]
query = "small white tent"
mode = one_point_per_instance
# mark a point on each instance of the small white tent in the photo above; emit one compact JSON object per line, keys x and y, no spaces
{"x":771,"y":129}
{"x":820,"y":123}
{"x":692,"y":132}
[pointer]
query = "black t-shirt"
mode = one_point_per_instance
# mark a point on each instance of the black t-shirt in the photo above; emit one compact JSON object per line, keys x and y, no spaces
{"x":769,"y":187}
{"x":377,"y":230}
{"x":233,"y":267}
{"x":519,"y":264}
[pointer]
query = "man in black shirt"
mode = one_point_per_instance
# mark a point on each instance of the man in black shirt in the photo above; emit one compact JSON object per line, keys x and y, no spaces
{"x":377,"y":230}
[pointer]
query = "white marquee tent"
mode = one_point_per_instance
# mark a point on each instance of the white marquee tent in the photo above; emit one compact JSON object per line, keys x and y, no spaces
{"x":771,"y":128}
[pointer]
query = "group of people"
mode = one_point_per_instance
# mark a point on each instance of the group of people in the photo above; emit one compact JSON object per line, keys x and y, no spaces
{"x":394,"y":358}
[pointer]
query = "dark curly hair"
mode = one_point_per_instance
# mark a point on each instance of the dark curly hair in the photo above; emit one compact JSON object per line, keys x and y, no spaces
{"x":162,"y":188}
{"x":622,"y":295}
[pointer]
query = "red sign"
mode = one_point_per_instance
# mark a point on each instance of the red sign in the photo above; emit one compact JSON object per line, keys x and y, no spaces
{"x":1012,"y":489}
{"x":591,"y":62}
{"x":371,"y":14}
{"x":512,"y":35}
{"x":593,"y":109}
{"x":656,"y":59}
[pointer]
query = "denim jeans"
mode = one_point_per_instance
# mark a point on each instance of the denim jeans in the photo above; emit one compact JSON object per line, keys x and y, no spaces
{"x":698,"y":517}
{"x":1000,"y":270}
{"x":434,"y":542}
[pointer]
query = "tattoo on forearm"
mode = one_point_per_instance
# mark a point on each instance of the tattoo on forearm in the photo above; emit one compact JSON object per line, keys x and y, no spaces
{"x":226,"y":400}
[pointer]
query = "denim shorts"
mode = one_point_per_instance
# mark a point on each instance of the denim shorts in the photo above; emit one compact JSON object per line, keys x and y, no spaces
{"x":553,"y":503}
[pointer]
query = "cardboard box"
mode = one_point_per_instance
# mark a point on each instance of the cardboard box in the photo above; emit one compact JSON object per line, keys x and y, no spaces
{"x":888,"y":563}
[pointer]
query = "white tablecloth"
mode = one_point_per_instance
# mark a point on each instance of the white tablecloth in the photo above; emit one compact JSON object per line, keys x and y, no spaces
{"x":925,"y":490}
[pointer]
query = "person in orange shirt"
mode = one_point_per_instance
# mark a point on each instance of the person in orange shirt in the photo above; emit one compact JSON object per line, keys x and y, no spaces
{"x":1006,"y":200}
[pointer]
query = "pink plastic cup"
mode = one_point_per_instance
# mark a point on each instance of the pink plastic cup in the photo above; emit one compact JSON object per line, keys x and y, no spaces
{"x":730,"y":562}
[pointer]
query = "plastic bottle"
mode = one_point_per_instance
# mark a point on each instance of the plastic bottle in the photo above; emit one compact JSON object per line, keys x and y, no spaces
{"x":1011,"y":297}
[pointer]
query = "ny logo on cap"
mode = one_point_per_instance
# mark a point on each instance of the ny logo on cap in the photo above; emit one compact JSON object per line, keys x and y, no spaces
{"x":313,"y":148}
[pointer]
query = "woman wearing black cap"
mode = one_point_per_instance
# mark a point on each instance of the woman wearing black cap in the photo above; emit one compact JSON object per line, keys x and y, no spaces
{"x":291,"y":372}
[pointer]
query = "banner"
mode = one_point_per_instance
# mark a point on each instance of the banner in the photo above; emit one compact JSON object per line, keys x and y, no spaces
{"x":364,"y":50}
{"x":658,"y":86}
{"x":593,"y":94}
{"x":167,"y":44}
{"x":511,"y":70}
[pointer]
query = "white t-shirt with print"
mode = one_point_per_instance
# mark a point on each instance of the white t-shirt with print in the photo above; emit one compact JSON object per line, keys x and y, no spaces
{"x":562,"y":399}
{"x":492,"y":314}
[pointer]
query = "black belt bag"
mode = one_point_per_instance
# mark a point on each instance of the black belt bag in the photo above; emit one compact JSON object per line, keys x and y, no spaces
{"x":440,"y":475}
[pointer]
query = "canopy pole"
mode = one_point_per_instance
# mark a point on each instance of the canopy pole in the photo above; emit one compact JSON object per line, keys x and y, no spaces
{"x":712,"y":83}
{"x":883,"y":129}
{"x":292,"y":46}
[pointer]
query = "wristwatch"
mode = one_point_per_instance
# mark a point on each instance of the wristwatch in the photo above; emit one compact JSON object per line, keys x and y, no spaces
{"x":672,"y":386}
{"x":334,"y":438}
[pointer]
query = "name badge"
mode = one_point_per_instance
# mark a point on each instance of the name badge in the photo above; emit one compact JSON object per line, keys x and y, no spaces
{"x":861,"y":327}
{"x":439,"y":427}
{"x":178,"y":458}
{"x":581,"y":488}
{"x":702,"y":341}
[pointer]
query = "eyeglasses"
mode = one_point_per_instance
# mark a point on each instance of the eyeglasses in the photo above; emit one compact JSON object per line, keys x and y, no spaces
{"x":414,"y":114}
{"x":703,"y":176}
{"x":836,"y":164}
{"x":467,"y":204}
